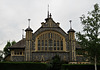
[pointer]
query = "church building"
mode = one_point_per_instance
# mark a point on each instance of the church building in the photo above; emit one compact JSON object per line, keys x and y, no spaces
{"x":45,"y":43}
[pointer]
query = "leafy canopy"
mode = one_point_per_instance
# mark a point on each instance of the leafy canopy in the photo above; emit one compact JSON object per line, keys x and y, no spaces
{"x":89,"y":38}
{"x":9,"y":44}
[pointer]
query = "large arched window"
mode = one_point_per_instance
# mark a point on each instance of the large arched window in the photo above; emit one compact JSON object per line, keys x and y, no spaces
{"x":50,"y":41}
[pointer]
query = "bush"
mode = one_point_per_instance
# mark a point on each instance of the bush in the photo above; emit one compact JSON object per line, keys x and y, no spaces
{"x":78,"y":67}
{"x":22,"y":66}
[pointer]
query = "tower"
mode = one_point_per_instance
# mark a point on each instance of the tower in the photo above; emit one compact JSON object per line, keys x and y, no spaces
{"x":71,"y":36}
{"x":28,"y":43}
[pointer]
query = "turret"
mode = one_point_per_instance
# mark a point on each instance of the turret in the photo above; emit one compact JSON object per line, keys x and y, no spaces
{"x":28,"y":43}
{"x":71,"y":32}
{"x":72,"y":43}
{"x":29,"y":32}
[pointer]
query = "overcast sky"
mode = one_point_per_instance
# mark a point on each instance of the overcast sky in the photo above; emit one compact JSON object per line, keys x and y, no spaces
{"x":14,"y":15}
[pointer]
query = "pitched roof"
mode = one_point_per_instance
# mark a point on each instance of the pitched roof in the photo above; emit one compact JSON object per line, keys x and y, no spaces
{"x":29,"y":29}
{"x":71,"y":30}
{"x":19,"y":45}
{"x":50,"y":23}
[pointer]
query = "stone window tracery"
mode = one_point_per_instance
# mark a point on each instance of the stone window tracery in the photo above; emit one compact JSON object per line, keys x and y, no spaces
{"x":50,"y":41}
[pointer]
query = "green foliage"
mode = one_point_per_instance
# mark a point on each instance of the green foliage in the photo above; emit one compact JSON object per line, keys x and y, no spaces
{"x":89,"y":37}
{"x":55,"y":63}
{"x":56,"y":59}
{"x":9,"y":44}
{"x":22,"y":66}
{"x":1,"y":55}
{"x":13,"y":42}
{"x":6,"y":50}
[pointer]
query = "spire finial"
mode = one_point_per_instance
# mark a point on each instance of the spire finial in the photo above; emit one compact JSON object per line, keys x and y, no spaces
{"x":70,"y":24}
{"x":50,"y":15}
{"x":29,"y":22}
{"x":48,"y":12}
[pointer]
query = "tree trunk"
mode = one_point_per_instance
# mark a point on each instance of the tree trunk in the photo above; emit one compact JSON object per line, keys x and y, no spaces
{"x":95,"y":62}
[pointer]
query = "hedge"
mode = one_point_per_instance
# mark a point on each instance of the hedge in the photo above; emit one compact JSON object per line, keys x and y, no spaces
{"x":22,"y":66}
{"x":79,"y":67}
{"x":43,"y":66}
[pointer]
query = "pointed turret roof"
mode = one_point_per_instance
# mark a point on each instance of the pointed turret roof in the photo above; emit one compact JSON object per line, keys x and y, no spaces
{"x":29,"y":29}
{"x":71,"y":30}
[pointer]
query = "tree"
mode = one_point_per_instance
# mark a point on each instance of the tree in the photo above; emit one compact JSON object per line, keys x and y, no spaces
{"x":13,"y":42}
{"x":89,"y":37}
{"x":9,"y":44}
{"x":56,"y":63}
{"x":1,"y":55}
